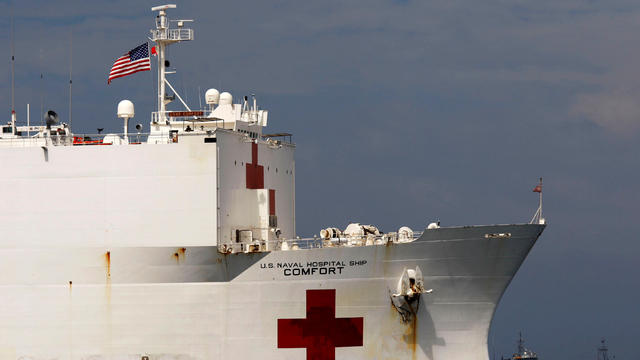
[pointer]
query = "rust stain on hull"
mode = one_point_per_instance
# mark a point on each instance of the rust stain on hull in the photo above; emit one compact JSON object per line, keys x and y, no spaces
{"x":180,"y":254}
{"x":107,"y":293}
{"x":411,"y":335}
{"x":107,"y":257}
{"x":396,"y":340}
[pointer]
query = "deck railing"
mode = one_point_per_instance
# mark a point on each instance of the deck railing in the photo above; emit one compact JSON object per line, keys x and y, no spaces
{"x":188,"y":117}
{"x":172,"y":34}
{"x":74,"y":139}
{"x":315,"y":243}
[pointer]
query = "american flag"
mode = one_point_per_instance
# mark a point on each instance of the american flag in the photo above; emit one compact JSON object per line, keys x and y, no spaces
{"x":131,"y":62}
{"x":538,"y":187}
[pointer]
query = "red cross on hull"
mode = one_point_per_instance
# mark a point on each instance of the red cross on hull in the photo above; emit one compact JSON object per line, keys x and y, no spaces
{"x":321,"y":332}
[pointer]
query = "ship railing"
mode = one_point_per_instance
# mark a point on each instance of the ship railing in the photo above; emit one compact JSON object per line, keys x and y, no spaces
{"x":37,"y":140}
{"x":23,"y":141}
{"x":172,"y":34}
{"x":315,"y":243}
{"x":75,"y":139}
{"x":131,"y":138}
{"x":109,"y":138}
{"x":193,"y":117}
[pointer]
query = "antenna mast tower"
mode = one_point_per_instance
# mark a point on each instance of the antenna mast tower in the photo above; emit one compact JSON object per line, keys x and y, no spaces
{"x":164,"y":36}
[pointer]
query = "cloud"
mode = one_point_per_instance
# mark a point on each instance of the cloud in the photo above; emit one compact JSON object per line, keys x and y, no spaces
{"x":616,"y":110}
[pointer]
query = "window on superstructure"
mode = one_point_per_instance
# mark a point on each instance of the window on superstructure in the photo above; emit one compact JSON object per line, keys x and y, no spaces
{"x":6,"y":129}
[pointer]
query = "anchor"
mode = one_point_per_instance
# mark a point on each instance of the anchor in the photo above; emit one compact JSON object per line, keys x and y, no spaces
{"x":407,"y":299}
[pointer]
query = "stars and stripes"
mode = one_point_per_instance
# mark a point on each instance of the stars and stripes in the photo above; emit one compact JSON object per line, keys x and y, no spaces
{"x":131,"y":62}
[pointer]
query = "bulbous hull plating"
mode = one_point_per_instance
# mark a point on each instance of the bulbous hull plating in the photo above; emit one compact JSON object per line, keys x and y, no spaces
{"x":196,"y":303}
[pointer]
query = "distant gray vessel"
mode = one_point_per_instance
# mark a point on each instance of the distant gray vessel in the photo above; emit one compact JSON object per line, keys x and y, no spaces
{"x":603,"y":351}
{"x":523,"y":352}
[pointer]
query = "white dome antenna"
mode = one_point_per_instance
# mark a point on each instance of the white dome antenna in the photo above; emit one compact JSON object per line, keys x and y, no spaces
{"x":212,"y":96}
{"x":125,"y":112}
{"x":226,"y":98}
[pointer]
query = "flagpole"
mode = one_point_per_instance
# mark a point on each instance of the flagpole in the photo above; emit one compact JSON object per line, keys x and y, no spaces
{"x":70,"y":81}
{"x":541,"y":198}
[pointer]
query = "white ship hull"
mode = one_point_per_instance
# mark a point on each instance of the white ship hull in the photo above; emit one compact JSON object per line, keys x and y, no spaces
{"x":196,"y":303}
{"x":181,"y":244}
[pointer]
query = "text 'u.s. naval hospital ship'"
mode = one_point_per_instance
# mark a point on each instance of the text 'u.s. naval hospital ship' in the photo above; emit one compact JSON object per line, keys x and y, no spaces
{"x":181,"y":244}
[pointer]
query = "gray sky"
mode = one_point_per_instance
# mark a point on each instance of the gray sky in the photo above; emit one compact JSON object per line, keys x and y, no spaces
{"x":405,"y":112}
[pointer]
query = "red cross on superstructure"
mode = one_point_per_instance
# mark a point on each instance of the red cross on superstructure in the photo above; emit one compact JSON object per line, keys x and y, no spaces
{"x":255,"y":172}
{"x":321,"y":332}
{"x":255,"y":177}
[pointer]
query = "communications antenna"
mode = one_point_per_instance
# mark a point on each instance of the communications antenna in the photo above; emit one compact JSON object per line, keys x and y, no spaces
{"x":13,"y":76}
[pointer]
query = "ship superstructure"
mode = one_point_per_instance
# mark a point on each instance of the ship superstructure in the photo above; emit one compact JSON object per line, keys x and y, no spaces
{"x":523,"y":353}
{"x":181,"y":244}
{"x":603,"y":350}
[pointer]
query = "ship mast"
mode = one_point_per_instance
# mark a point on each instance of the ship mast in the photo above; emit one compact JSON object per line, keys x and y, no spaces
{"x":521,"y":348}
{"x":164,"y":36}
{"x":13,"y":76}
{"x":603,"y":351}
{"x":70,"y":79}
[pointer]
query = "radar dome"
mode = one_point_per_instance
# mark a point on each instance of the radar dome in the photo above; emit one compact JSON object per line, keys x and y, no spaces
{"x":212,"y":96}
{"x":226,"y":98}
{"x":125,"y":109}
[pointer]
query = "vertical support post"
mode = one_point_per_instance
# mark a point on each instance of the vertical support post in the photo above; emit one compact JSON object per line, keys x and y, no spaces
{"x":161,"y":83}
{"x":13,"y":122}
{"x":70,"y":81}
{"x":540,"y":200}
{"x":126,"y":129}
{"x":13,"y":76}
{"x":28,"y":121}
